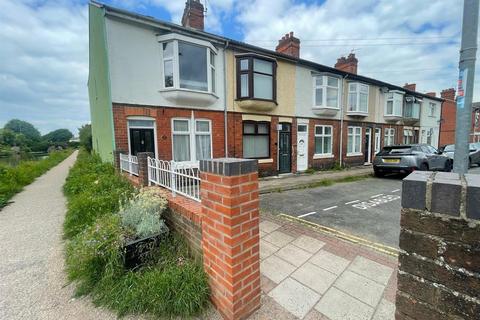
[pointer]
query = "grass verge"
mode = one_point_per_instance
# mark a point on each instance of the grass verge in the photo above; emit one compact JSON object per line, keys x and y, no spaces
{"x":170,"y":284}
{"x":13,"y":179}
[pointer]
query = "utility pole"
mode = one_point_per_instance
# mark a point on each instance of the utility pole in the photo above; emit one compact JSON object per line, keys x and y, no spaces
{"x":466,"y":77}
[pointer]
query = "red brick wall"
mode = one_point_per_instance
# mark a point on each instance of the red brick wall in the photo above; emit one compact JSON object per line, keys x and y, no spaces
{"x":329,"y":162}
{"x":447,"y":126}
{"x":163,"y":116}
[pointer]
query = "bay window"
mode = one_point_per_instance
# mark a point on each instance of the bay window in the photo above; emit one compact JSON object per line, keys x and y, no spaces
{"x":431,"y":109}
{"x":389,"y":137}
{"x":354,"y":142}
{"x":256,"y":140}
{"x":326,"y":90}
{"x":256,"y":78}
{"x":323,"y":140}
{"x":357,"y":97}
{"x":394,"y":104}
{"x":188,"y":66}
{"x":191,"y":135}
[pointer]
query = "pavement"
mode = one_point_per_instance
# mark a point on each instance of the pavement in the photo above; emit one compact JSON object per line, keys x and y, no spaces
{"x":33,"y":284}
{"x":297,"y":181}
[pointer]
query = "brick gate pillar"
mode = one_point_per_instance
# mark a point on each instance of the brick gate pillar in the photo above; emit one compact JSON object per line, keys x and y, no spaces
{"x":439,"y":263}
{"x":143,"y":167}
{"x":230,"y":227}
{"x":116,"y":159}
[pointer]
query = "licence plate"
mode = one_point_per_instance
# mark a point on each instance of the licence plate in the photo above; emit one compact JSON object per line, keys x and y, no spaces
{"x":391,"y":160}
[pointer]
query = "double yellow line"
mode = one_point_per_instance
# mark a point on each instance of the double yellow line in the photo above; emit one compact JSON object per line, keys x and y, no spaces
{"x":349,"y":237}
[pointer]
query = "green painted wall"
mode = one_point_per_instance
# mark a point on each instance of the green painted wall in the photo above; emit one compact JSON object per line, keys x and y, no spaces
{"x":99,"y":86}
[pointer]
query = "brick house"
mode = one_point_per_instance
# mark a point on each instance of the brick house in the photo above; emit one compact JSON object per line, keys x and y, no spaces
{"x":186,"y":95}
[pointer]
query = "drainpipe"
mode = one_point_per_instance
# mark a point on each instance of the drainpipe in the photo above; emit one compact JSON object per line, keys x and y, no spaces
{"x":341,"y":120}
{"x":225,"y":97}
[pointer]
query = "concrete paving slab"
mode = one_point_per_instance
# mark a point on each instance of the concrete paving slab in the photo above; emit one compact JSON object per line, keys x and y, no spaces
{"x":314,"y":277}
{"x":385,"y":311}
{"x":330,"y":262}
{"x":278,"y":238}
{"x":371,"y":269}
{"x":268,"y":226}
{"x":338,"y":305}
{"x":362,"y":288}
{"x":309,"y":244}
{"x":276,"y":269}
{"x":293,"y":255}
{"x":295,"y":297}
{"x":267,"y":249}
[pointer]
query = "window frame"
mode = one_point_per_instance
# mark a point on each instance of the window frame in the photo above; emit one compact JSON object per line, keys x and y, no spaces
{"x":324,"y":87}
{"x":322,"y":136}
{"x":211,"y":82}
{"x":192,"y":134}
{"x":389,"y":134}
{"x":357,"y":93}
{"x":355,"y":153}
{"x":255,"y":123}
{"x":432,"y":107}
{"x":250,"y":72}
{"x":395,"y":98}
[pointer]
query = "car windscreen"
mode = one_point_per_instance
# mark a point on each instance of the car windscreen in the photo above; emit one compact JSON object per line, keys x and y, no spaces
{"x":396,"y":150}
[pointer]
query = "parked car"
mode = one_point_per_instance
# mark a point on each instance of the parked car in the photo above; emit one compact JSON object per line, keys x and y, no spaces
{"x":474,"y":157}
{"x":408,"y":158}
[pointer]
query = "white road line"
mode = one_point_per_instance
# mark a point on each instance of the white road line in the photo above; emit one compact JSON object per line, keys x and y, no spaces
{"x":396,"y":190}
{"x":307,"y":214}
{"x":330,"y":208}
{"x":354,"y":201}
{"x":377,"y":195}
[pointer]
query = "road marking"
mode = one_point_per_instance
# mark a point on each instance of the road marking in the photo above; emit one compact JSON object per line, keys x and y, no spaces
{"x":396,"y":190}
{"x":330,"y":208}
{"x":377,"y":195}
{"x":354,"y":201}
{"x":307,"y":214}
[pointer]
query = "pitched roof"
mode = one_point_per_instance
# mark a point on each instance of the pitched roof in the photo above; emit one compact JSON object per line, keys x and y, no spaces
{"x":245,"y":46}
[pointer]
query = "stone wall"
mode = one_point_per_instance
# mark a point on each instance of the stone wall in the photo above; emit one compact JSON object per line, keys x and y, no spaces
{"x":439,"y":266}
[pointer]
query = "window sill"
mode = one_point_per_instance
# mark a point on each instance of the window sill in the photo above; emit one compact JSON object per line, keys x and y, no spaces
{"x":323,"y":156}
{"x":265,"y":160}
{"x":355,"y":154}
{"x":189,"y":97}
{"x":325,"y":111}
{"x":357,"y":113}
{"x":392,"y":117}
{"x":256,"y":104}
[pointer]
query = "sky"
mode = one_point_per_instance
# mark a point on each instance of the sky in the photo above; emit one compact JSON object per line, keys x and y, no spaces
{"x":44,"y":44}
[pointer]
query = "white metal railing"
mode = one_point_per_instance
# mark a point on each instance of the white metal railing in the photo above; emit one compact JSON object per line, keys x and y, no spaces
{"x":179,"y":177}
{"x":129,"y":163}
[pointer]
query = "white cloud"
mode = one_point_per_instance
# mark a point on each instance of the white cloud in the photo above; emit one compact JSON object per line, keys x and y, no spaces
{"x":44,"y":63}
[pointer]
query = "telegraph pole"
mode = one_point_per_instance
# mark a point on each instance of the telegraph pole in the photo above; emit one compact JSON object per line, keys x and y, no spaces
{"x":466,"y":77}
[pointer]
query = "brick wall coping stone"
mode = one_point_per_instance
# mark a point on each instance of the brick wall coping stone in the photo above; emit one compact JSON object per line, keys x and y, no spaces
{"x":229,"y":166}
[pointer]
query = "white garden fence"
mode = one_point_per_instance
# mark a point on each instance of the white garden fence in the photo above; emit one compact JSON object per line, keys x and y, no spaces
{"x":129,"y":163}
{"x":181,"y":178}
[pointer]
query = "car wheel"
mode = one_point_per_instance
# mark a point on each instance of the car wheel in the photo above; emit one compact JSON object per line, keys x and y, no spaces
{"x":448,"y":166}
{"x":423,"y":167}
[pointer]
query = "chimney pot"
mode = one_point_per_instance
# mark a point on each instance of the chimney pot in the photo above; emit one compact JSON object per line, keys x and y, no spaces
{"x":349,"y":64}
{"x":410,"y":86}
{"x":289,"y":45}
{"x":193,"y":15}
{"x":448,"y":94}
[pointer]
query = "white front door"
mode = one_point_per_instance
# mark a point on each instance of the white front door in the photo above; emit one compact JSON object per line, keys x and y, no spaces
{"x":302,"y":147}
{"x":368,"y":145}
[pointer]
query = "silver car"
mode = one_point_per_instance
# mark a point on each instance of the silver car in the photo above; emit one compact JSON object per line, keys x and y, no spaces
{"x":408,"y":158}
{"x":473,"y":158}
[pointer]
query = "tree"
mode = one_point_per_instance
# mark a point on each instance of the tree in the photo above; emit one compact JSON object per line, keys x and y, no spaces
{"x":23,"y":127}
{"x":85,"y":135}
{"x":58,"y":136}
{"x":11,"y":138}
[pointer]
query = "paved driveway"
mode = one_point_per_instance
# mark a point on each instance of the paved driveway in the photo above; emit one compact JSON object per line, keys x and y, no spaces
{"x":368,"y":208}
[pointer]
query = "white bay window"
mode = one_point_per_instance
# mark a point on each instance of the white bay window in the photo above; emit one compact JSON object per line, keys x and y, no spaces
{"x":357,"y":98}
{"x":394,"y":104}
{"x":191,"y":139}
{"x":326,"y":92}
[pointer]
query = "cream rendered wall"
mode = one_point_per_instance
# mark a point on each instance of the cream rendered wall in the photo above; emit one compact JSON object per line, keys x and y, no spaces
{"x":428,"y":122}
{"x":373,"y":92}
{"x":285,"y":88}
{"x":136,"y":66}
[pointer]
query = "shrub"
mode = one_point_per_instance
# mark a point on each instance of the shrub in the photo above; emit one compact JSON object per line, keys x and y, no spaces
{"x":141,"y":215}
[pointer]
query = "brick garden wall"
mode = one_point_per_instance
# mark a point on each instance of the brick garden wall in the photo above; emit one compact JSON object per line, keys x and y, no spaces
{"x":439,"y":271}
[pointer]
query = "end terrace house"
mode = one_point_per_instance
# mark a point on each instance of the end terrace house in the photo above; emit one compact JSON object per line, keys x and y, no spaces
{"x":186,"y":95}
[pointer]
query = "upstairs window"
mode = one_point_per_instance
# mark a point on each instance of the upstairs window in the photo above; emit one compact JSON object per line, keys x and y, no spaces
{"x":188,"y":66}
{"x":326,"y":91}
{"x":393,"y":105}
{"x":256,"y":78}
{"x":357,"y":97}
{"x":432,"y":109}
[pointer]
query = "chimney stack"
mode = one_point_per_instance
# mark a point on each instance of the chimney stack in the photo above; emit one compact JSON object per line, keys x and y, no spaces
{"x":448,"y":94}
{"x":431,"y":94}
{"x":193,"y":15}
{"x":289,"y":45}
{"x":348,"y":64}
{"x":410,"y":86}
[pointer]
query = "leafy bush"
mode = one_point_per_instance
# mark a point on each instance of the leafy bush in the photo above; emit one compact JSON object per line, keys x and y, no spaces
{"x":13,"y":179}
{"x":171,"y":283}
{"x":141,"y":215}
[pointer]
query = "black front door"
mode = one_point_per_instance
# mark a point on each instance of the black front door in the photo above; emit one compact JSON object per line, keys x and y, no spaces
{"x":142,"y":140}
{"x":284,"y":148}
